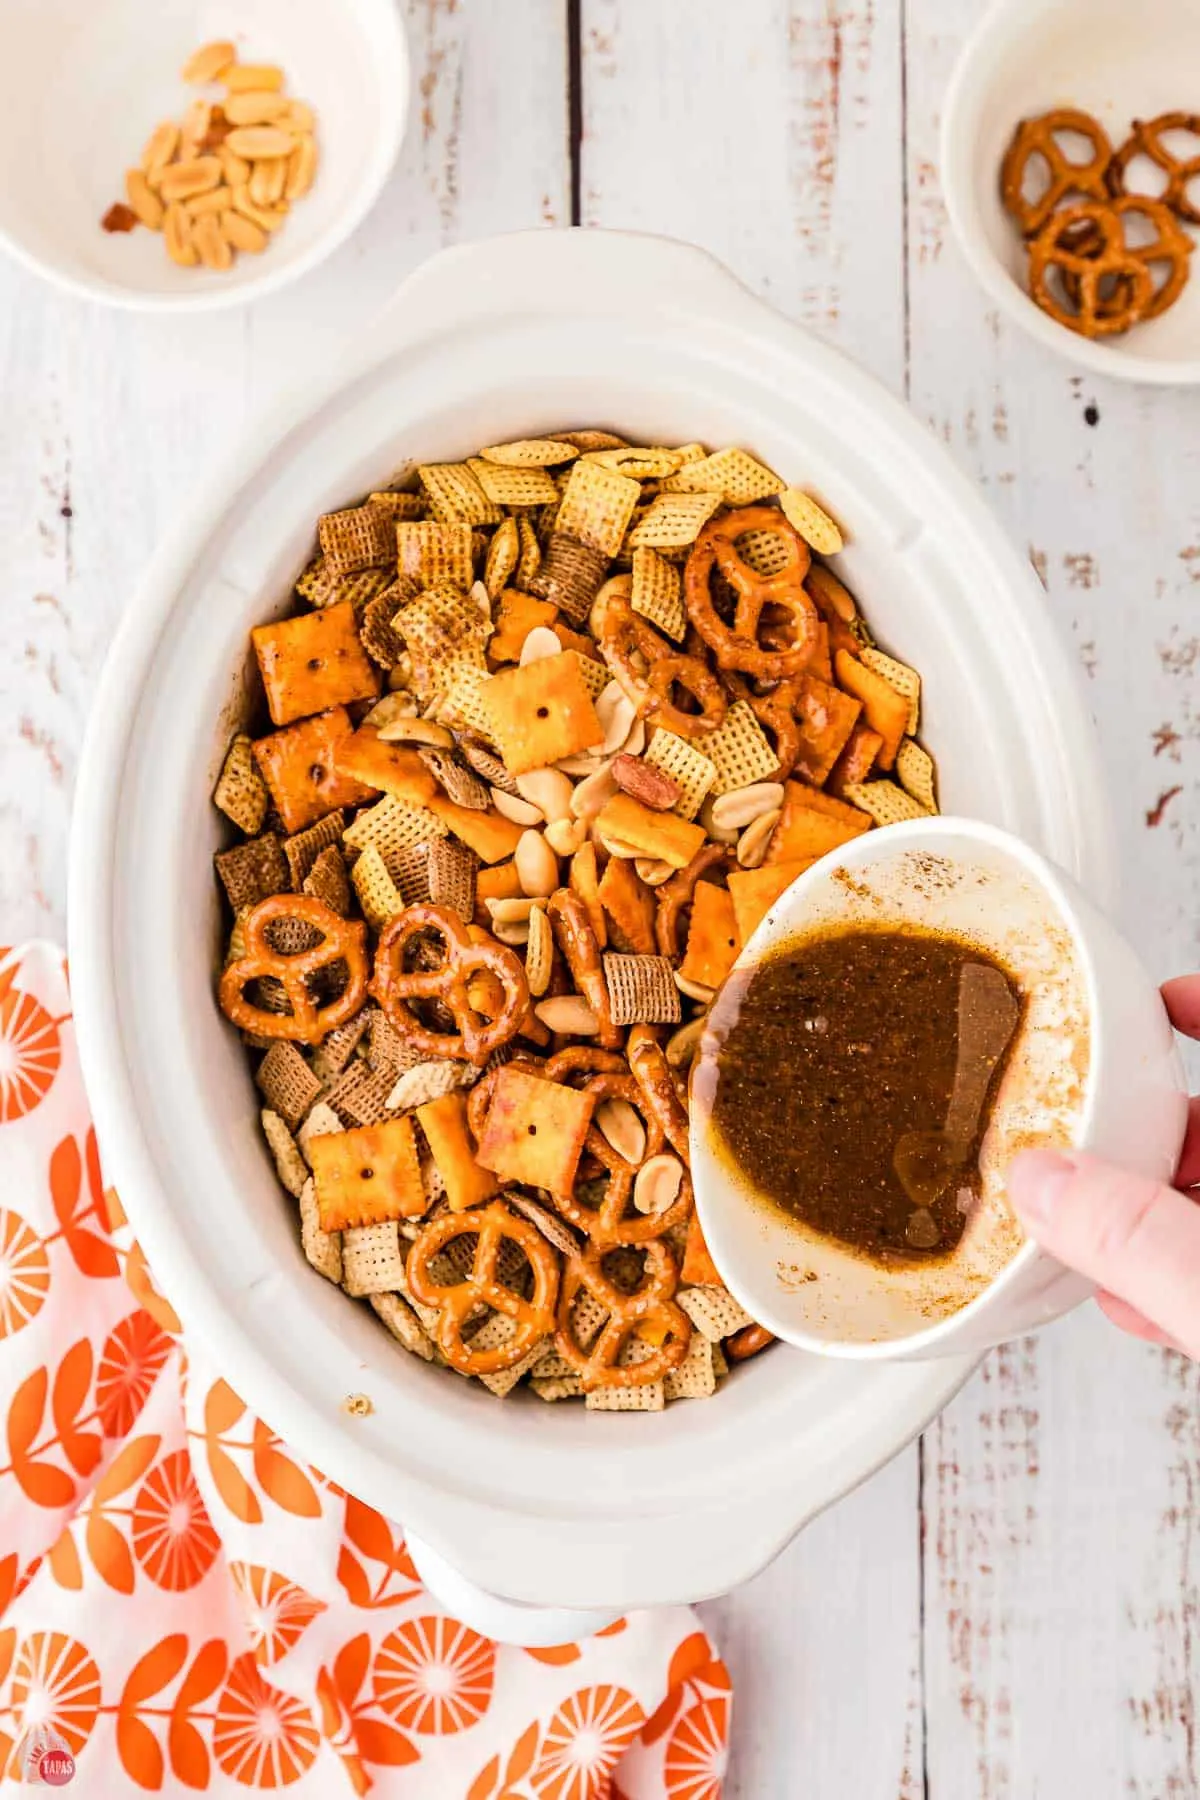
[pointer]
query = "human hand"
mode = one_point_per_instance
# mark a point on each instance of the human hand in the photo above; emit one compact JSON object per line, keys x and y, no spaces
{"x":1139,"y":1240}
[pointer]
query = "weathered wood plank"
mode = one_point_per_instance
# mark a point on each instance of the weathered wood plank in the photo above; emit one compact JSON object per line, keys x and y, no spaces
{"x":770,"y":133}
{"x":111,"y":419}
{"x":1062,"y":1651}
{"x":825,"y":1651}
{"x":767,"y":132}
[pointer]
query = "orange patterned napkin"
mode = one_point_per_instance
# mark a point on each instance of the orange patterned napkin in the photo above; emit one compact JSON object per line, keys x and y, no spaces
{"x":186,"y":1605}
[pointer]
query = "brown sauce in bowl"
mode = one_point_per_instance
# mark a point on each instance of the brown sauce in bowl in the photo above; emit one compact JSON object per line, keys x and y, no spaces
{"x":855,"y":1078}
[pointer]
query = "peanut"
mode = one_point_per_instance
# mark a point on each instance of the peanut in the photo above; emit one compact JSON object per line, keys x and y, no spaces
{"x":536,"y":865}
{"x":657,"y":1184}
{"x":740,"y":807}
{"x":619,"y":1124}
{"x":547,"y":789}
{"x":752,"y":845}
{"x":568,"y":1015}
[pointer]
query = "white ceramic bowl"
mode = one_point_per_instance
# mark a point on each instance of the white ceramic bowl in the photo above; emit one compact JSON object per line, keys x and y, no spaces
{"x":1117,"y":61}
{"x":541,"y":1504}
{"x":1095,"y":1067}
{"x":82,"y":86}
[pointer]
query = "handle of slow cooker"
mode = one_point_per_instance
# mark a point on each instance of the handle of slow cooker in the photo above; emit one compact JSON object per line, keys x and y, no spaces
{"x":531,"y":272}
{"x":507,"y":1621}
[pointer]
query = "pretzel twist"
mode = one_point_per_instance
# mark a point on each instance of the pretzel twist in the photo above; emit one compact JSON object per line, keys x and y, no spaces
{"x":1102,"y":311}
{"x":660,"y":1094}
{"x":342,"y":940}
{"x":651,"y":1304}
{"x":1039,"y":137}
{"x":676,"y":892}
{"x":393,"y":986}
{"x":776,"y":713}
{"x":534,"y":1318}
{"x":649,"y":668}
{"x":577,"y":941}
{"x":1146,"y":140}
{"x":607,"y":1225}
{"x":738,"y":646}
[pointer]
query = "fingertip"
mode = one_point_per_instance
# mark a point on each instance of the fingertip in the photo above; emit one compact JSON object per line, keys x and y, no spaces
{"x":1181,"y":997}
{"x":1035,"y":1180}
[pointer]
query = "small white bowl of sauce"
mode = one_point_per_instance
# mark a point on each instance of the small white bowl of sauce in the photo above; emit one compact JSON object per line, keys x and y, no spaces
{"x":914,"y":1011}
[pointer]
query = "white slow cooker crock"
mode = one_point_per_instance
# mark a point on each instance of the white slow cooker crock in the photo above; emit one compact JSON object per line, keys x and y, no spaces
{"x":545,"y":1505}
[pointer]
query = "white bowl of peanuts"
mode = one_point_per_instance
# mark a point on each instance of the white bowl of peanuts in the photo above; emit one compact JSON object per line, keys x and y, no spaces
{"x":597,"y":338}
{"x":184,"y":158}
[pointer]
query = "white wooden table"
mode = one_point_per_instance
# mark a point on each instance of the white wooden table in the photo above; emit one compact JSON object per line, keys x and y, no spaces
{"x":1011,"y":1611}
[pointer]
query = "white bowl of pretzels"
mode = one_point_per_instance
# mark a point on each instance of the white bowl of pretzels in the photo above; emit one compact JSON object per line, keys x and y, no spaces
{"x":1070,"y":163}
{"x":544,"y":1505}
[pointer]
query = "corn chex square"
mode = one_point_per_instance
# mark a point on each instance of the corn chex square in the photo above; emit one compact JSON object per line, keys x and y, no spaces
{"x":656,"y":592}
{"x":290,"y":1166}
{"x":391,"y":826}
{"x":495,"y":1331}
{"x":713,"y":1311}
{"x":372,"y":1259}
{"x":378,"y":894}
{"x":914,"y":766}
{"x":884,"y":801}
{"x":399,"y":502}
{"x":530,"y":453}
{"x":462,"y":703}
{"x":323,"y":1249}
{"x":673,"y":521}
{"x":530,"y":559}
{"x":440,"y":622}
{"x":432,"y":551}
{"x":503,"y":554}
{"x":361,"y":588}
{"x":587,"y":1319}
{"x":506,"y":486}
{"x":595,"y":674}
{"x":738,"y":477}
{"x":597,"y":505}
{"x":241,"y":793}
{"x":766,"y":552}
{"x":694,"y":772}
{"x":455,"y":496}
{"x":557,"y":1387}
{"x":403,"y":1323}
{"x":810,"y":519}
{"x":650,"y":1397}
{"x":358,"y":538}
{"x":318,"y":582}
{"x":898,"y":675}
{"x":639,"y":462}
{"x":740,"y":750}
{"x":695,"y":1378}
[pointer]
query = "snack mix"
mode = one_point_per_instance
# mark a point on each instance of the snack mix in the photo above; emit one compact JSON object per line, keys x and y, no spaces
{"x":222,"y":179}
{"x":550,"y":731}
{"x":1102,"y":255}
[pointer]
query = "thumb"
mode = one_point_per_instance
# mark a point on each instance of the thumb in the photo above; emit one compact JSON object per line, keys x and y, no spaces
{"x":1131,"y":1235}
